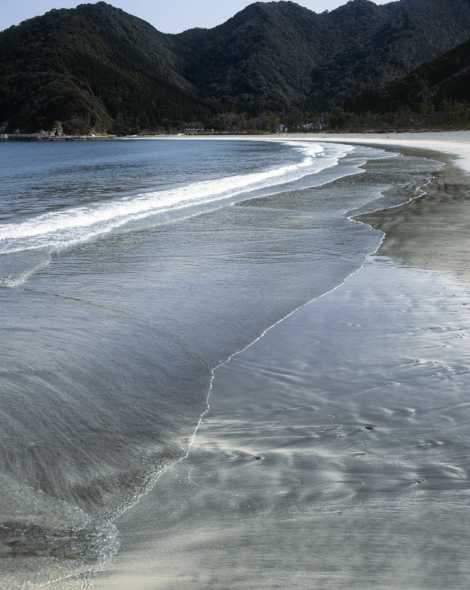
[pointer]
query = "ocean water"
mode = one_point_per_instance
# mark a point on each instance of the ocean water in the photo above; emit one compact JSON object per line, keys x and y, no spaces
{"x":211,"y":377}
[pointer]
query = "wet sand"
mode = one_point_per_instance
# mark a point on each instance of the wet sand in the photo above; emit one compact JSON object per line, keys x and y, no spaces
{"x":336,"y":451}
{"x":432,"y":232}
{"x":344,"y":463}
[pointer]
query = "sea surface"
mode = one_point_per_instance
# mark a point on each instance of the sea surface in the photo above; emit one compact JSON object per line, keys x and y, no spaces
{"x":230,"y":365}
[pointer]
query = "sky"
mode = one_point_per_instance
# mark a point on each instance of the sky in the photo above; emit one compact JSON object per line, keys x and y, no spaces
{"x":169,"y":16}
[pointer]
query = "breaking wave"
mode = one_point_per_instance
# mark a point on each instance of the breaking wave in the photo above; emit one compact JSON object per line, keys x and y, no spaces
{"x":61,"y":229}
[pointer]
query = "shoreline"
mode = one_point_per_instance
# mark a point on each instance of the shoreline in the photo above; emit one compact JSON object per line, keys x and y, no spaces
{"x":429,"y":231}
{"x":362,"y":418}
{"x":208,"y":446}
{"x":451,"y":144}
{"x":37,"y":137}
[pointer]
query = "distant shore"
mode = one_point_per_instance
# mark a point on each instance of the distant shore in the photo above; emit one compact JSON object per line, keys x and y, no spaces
{"x":455,"y":144}
{"x":42,"y":137}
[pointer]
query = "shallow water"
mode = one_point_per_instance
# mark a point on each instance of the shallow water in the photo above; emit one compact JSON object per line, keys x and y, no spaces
{"x":113,"y":335}
{"x":335,"y":454}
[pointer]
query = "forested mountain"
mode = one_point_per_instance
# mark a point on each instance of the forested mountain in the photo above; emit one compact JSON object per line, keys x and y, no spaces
{"x":276,"y":55}
{"x":443,"y":80}
{"x":96,"y":67}
{"x":436,"y":94}
{"x":91,"y":67}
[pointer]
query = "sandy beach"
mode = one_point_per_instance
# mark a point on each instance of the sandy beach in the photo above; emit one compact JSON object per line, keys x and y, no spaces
{"x":267,"y":384}
{"x":452,"y":143}
{"x":334,"y":452}
{"x":235,"y":335}
{"x":455,"y":144}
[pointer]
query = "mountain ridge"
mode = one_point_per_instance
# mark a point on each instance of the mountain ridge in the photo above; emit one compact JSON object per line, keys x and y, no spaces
{"x":435,"y":94}
{"x":98,"y":68}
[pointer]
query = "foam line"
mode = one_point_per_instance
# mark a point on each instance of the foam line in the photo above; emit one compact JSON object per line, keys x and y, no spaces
{"x":60,"y":229}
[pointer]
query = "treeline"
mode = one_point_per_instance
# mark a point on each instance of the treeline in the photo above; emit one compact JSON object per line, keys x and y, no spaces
{"x":452,"y":115}
{"x":447,"y":115}
{"x":421,"y":116}
{"x":237,"y":122}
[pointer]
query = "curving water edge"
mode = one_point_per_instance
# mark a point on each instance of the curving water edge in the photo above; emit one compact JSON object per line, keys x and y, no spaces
{"x":62,"y":229}
{"x":419,"y":193}
{"x":57,"y":231}
{"x":154,"y":477}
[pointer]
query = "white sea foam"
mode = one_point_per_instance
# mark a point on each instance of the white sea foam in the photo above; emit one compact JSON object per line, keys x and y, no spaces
{"x":79,"y":224}
{"x":11,"y":281}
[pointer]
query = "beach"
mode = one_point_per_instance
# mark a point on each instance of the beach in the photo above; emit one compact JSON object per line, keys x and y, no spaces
{"x":455,"y":144}
{"x":270,"y":387}
{"x":334,"y":451}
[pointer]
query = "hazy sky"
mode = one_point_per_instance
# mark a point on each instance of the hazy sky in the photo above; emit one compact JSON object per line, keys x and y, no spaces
{"x":167,"y":15}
